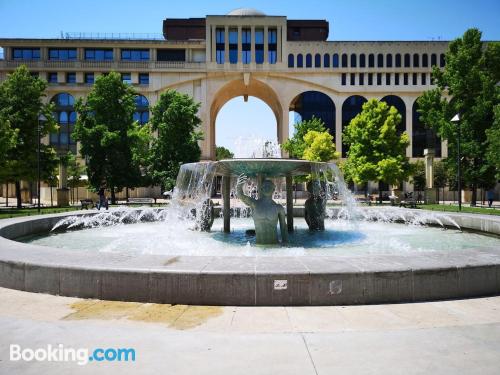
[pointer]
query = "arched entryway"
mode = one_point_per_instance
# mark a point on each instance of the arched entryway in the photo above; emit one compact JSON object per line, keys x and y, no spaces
{"x":352,"y":106}
{"x":422,"y":136}
{"x":311,"y":104}
{"x":399,"y":104}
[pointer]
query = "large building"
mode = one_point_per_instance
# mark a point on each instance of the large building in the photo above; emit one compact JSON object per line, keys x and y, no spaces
{"x":289,"y":64}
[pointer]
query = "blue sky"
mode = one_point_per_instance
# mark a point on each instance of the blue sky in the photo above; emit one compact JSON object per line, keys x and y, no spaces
{"x":349,"y":20}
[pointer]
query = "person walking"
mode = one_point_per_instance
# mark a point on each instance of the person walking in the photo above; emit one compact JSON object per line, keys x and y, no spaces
{"x":102,"y":199}
{"x":490,"y":196}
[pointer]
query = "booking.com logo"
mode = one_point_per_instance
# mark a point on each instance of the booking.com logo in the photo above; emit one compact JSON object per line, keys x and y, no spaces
{"x":81,"y":356}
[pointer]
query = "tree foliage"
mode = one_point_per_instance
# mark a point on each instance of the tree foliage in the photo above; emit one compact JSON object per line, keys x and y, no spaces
{"x":175,"y":120}
{"x":319,"y":146}
{"x":418,"y":175}
{"x":493,"y":150}
{"x":376,"y":151}
{"x":109,"y":137}
{"x":222,"y":153}
{"x":21,"y":104}
{"x":296,"y":145}
{"x":470,"y":78}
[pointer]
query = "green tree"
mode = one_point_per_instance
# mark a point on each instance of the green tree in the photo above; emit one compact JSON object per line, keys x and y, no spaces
{"x":418,"y":175}
{"x":20,"y":106}
{"x":296,"y":145}
{"x":223,"y":153}
{"x":376,"y":151}
{"x":493,"y":150}
{"x":440,"y":177}
{"x":319,"y":146}
{"x":175,"y":120}
{"x":109,"y":136}
{"x":75,"y":171}
{"x":470,"y":78}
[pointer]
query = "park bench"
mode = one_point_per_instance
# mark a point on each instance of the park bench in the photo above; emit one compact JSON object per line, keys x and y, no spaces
{"x":408,"y":202}
{"x":149,"y":201}
{"x":86,"y":203}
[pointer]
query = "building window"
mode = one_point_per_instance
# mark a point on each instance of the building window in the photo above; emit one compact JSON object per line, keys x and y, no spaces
{"x":220,"y":46}
{"x":26,"y":53}
{"x":353,"y":79}
{"x":127,"y":78}
{"x":407,"y":60}
{"x":335,"y":60}
{"x":141,"y":114}
{"x":171,"y":54}
{"x":259,"y":46}
{"x":89,"y":78}
{"x":62,"y":53}
{"x":433,"y":59}
{"x":388,"y":60}
{"x":398,"y":60}
{"x":246,"y":42}
{"x":143,"y":78}
{"x":65,"y":117}
{"x":361,"y":79}
{"x":71,"y":77}
{"x":425,"y":60}
{"x":442,"y":60}
{"x":416,"y":60}
{"x":135,"y":54}
{"x":344,"y":60}
{"x":272,"y":48}
{"x":291,"y":60}
{"x":300,"y":61}
{"x":370,"y":79}
{"x":344,"y":79}
{"x":34,"y":74}
{"x":308,"y":60}
{"x":379,"y":79}
{"x":353,"y":60}
{"x":380,"y":60}
{"x":362,"y":60}
{"x":371,"y":60}
{"x":396,"y":79}
{"x":388,"y":79}
{"x":405,"y":79}
{"x":424,"y":79}
{"x":52,"y":77}
{"x":415,"y":78}
{"x":233,"y":45}
{"x":326,"y":60}
{"x":98,"y":54}
{"x":317,"y":60}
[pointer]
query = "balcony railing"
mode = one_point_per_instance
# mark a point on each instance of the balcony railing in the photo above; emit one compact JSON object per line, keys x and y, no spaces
{"x":107,"y":65}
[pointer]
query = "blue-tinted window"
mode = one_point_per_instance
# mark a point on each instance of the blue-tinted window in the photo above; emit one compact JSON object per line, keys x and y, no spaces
{"x":416,"y":60}
{"x":380,"y":60}
{"x":387,"y":79}
{"x":405,"y":79}
{"x":424,"y":79}
{"x":26,"y":53}
{"x":308,"y":60}
{"x":272,"y":37}
{"x":353,"y":60}
{"x":362,"y":60}
{"x":425,"y":60}
{"x":141,"y":113}
{"x":407,"y":60}
{"x":62,"y":54}
{"x":371,"y":60}
{"x":317,"y":60}
{"x":71,"y":77}
{"x":98,"y":54}
{"x":233,"y":46}
{"x":353,"y":79}
{"x":344,"y":60}
{"x":335,"y":60}
{"x":52,"y":77}
{"x":65,"y":116}
{"x":379,"y":79}
{"x":388,"y":60}
{"x":291,"y":60}
{"x":442,"y":60}
{"x":135,"y":54}
{"x":126,"y":78}
{"x":219,"y":46}
{"x":344,"y":79}
{"x":246,"y":44}
{"x":370,"y":79}
{"x":259,"y":46}
{"x":144,"y":78}
{"x":361,"y":79}
{"x":89,"y":78}
{"x":326,"y":60}
{"x":433,"y":59}
{"x":398,"y":60}
{"x":300,"y":61}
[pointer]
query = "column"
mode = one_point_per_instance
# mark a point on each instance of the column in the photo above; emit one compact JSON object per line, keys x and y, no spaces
{"x":252,"y":48}
{"x":212,"y":43}
{"x":338,"y":126}
{"x":278,"y":44}
{"x":289,"y":203}
{"x":409,"y":128}
{"x":266,"y":45}
{"x":239,"y":45}
{"x":226,"y":44}
{"x":226,"y":205}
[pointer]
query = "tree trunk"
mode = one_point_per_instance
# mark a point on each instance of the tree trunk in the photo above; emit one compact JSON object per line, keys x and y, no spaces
{"x":18,"y":194}
{"x":7,"y":194}
{"x":113,"y":196}
{"x":474,"y":196}
{"x":126,"y":194}
{"x":380,"y":192}
{"x":437,"y":195}
{"x":51,"y":200}
{"x":30,"y":186}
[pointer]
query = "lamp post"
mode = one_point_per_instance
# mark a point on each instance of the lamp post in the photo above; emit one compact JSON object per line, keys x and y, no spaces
{"x":456,"y":119}
{"x":41,"y":118}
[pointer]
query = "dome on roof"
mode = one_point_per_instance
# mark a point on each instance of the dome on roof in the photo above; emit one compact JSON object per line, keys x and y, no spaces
{"x":245,"y":12}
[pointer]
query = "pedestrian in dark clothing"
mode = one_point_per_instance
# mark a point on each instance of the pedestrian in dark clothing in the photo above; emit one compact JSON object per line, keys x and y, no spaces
{"x":102,"y":199}
{"x":490,"y":196}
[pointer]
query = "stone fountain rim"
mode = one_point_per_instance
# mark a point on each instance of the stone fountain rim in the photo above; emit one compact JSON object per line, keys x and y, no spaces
{"x":327,"y":280}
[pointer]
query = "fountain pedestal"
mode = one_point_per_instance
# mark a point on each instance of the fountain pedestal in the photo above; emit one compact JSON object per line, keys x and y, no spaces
{"x":430,"y":191}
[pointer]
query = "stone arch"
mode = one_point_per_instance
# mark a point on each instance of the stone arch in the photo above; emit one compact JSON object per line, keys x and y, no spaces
{"x":399,"y":104}
{"x":315,"y":103}
{"x":351,"y":107}
{"x":242,"y":87}
{"x":423,"y":137}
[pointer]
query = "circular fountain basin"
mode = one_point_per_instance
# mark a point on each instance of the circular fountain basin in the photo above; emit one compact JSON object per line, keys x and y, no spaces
{"x":268,"y":167}
{"x":372,"y":263}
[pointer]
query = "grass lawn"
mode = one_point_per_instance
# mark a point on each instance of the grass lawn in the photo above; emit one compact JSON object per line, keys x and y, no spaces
{"x":6,"y":213}
{"x":453,"y":208}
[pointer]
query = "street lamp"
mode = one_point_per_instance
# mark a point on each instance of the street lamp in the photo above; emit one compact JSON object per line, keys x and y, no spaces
{"x":41,"y":118}
{"x":456,"y":119}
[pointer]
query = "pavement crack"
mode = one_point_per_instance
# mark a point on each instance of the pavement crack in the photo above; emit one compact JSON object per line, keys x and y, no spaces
{"x":309,"y":353}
